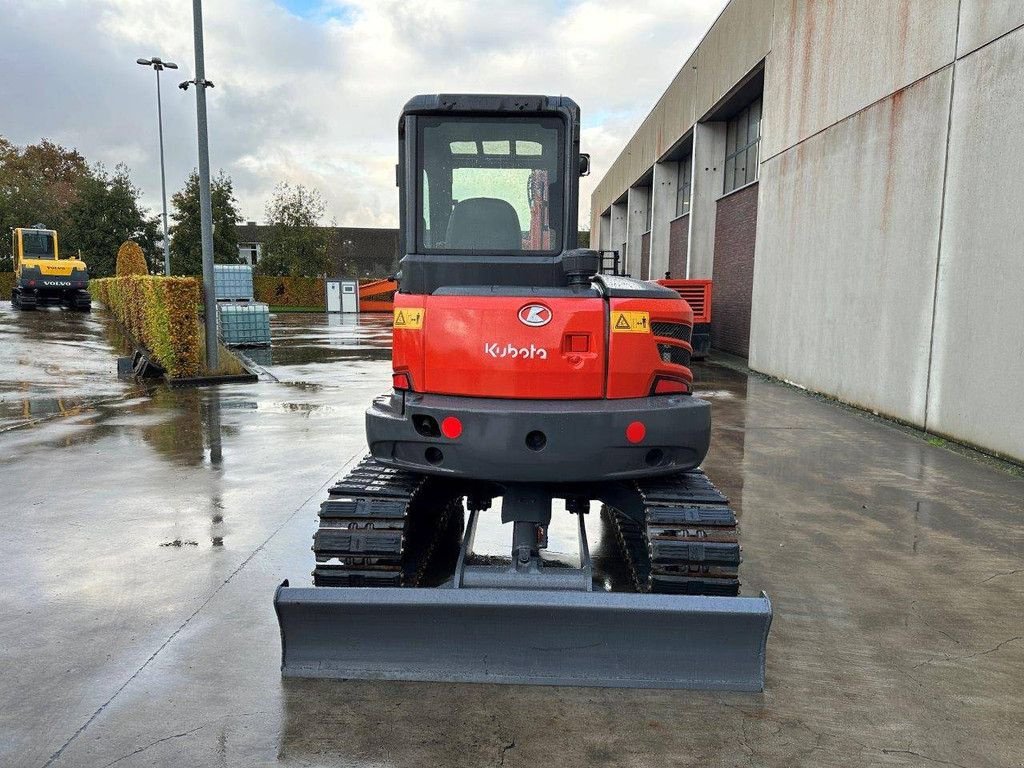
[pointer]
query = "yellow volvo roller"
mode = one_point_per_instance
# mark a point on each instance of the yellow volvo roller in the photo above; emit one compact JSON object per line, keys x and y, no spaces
{"x":43,"y":277}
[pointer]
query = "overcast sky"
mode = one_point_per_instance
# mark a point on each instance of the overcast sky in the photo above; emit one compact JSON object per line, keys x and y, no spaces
{"x":309,"y":91}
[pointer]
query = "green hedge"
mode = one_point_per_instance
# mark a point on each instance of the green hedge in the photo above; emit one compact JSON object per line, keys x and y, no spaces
{"x":6,"y":285}
{"x":161,"y":314}
{"x":290,"y":291}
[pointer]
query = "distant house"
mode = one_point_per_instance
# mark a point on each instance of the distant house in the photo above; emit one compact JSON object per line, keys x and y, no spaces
{"x":360,"y":252}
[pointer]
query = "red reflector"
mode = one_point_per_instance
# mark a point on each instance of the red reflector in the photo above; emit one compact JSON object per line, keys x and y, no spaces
{"x":636,"y":431}
{"x":451,"y":427}
{"x":401,"y":381}
{"x":668,"y":386}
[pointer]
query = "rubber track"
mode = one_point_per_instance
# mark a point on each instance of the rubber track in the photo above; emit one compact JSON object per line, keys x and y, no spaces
{"x":378,"y":528}
{"x":689,"y":543}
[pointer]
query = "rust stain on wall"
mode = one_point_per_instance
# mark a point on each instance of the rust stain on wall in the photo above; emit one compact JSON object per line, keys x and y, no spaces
{"x":902,"y":27}
{"x":826,"y":48}
{"x":805,"y":77}
{"x":891,"y":143}
{"x":784,"y":73}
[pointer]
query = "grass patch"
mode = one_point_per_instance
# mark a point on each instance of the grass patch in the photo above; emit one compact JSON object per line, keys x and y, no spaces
{"x":227,"y":363}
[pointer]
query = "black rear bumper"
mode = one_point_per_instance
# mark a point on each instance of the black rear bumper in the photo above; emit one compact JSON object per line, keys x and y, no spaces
{"x":583,"y":440}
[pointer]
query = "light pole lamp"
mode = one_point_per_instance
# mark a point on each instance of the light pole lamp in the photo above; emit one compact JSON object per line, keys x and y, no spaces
{"x":159,"y":64}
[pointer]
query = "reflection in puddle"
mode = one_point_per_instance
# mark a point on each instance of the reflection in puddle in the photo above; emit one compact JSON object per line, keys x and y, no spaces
{"x":304,"y":339}
{"x":193,"y":435}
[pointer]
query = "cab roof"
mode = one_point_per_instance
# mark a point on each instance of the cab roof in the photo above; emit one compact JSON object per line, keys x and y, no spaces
{"x":489,"y":103}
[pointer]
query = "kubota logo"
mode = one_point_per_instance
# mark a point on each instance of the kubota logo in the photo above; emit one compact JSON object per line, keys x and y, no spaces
{"x":511,"y":350}
{"x":535,"y":315}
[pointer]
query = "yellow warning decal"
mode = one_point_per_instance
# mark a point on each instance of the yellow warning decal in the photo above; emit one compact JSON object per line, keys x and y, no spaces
{"x":410,"y":318}
{"x":631,"y":322}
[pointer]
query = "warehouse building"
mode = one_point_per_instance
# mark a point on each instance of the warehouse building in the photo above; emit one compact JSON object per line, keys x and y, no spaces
{"x":849,"y":175}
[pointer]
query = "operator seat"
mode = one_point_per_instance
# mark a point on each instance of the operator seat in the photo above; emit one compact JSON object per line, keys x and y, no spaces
{"x":486,"y":224}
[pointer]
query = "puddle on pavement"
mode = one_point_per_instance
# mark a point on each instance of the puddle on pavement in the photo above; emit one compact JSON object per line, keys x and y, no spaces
{"x":56,"y":363}
{"x":308,"y":339}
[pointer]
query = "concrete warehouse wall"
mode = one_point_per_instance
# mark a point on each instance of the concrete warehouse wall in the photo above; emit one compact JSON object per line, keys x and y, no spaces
{"x":975,"y":390}
{"x":887,"y":269}
{"x":844,"y":270}
{"x":829,"y":60}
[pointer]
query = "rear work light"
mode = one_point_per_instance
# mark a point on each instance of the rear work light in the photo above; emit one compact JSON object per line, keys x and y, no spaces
{"x":401,"y":381}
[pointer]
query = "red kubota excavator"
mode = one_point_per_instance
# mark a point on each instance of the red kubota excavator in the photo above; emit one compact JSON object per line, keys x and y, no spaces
{"x":521,"y":372}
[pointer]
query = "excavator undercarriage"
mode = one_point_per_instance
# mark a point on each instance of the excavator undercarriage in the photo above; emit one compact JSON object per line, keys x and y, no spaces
{"x":399,"y":593}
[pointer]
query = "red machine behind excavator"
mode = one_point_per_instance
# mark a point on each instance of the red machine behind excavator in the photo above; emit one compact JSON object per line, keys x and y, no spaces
{"x":521,"y":372}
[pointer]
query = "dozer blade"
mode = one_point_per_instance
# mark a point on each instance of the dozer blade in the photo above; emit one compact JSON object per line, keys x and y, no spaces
{"x":544,"y":637}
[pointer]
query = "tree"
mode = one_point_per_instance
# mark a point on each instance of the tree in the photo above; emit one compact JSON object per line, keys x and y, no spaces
{"x":37,"y":185}
{"x":104,"y":214}
{"x":296,"y":245}
{"x":186,"y":238}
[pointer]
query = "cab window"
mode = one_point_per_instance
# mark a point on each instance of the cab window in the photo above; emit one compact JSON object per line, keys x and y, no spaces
{"x":489,"y":185}
{"x":38,"y":245}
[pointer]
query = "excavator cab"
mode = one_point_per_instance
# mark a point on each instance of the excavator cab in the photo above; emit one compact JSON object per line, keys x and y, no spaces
{"x":35,"y":244}
{"x":42,"y":276}
{"x":523,"y":379}
{"x":489,"y":189}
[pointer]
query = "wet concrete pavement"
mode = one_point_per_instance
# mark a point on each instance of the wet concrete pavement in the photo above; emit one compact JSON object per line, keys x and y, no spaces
{"x":145,"y":533}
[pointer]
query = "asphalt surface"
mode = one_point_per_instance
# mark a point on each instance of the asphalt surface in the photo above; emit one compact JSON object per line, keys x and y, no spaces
{"x":146,"y":529}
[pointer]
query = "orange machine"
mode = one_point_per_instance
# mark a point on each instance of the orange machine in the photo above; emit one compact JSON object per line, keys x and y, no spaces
{"x":377,"y":295}
{"x":698,"y":295}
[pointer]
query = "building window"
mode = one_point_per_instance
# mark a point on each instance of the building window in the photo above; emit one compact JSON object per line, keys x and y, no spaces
{"x":743,"y":135}
{"x":650,"y":211}
{"x":249,"y":253}
{"x":683,"y":185}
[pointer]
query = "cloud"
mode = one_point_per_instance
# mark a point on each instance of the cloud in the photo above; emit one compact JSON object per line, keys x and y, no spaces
{"x":309,"y":91}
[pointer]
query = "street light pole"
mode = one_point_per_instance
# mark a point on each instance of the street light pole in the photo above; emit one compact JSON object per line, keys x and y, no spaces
{"x":159,"y":65}
{"x":205,"y":208}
